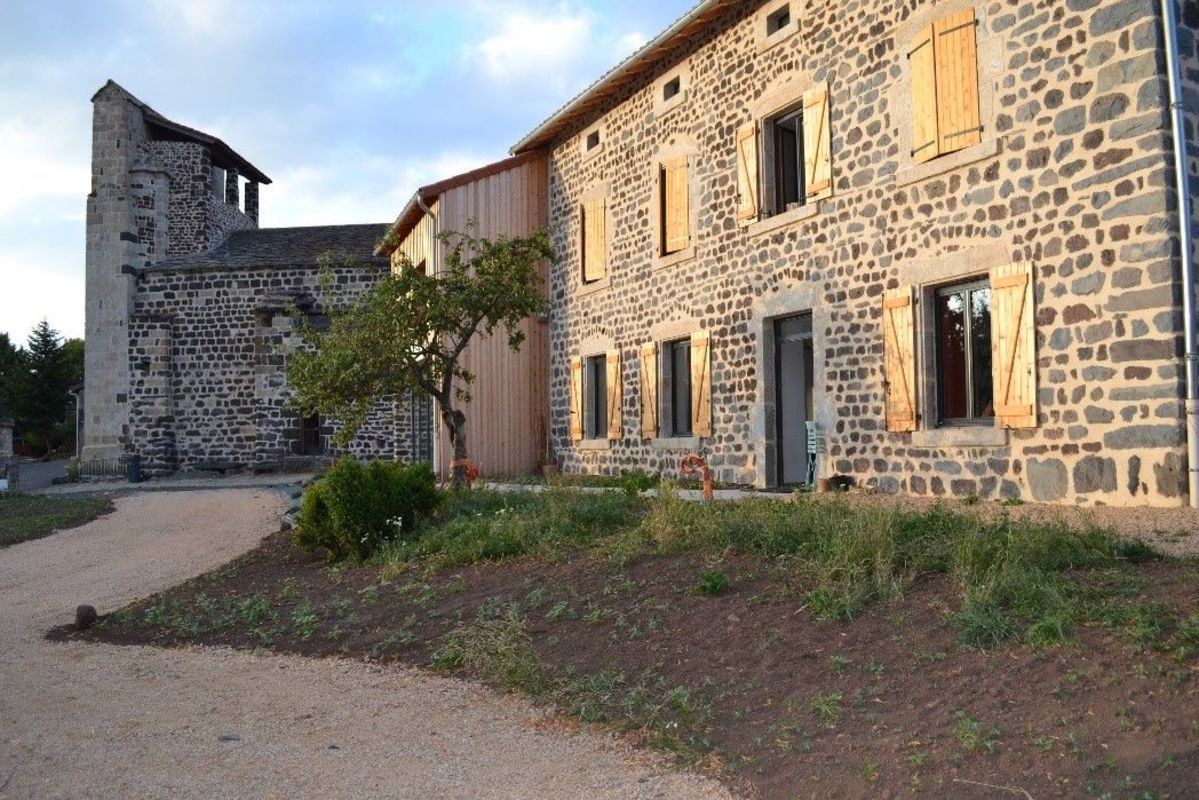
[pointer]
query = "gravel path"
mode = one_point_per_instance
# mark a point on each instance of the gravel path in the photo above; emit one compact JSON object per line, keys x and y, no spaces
{"x":82,"y":720}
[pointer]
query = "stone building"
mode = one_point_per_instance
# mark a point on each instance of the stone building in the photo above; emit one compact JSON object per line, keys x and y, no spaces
{"x":189,"y":304}
{"x":936,"y":243}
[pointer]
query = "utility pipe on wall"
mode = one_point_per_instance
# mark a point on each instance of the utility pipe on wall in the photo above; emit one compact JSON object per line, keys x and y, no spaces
{"x":1186,"y":239}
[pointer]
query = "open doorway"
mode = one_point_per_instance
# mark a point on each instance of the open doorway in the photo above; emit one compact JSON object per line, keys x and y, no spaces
{"x":309,"y":442}
{"x":794,"y":372}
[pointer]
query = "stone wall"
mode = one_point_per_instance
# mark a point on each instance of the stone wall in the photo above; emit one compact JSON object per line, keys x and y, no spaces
{"x":198,"y":220}
{"x":207,"y":351}
{"x":1072,"y":177}
{"x":1188,"y":45}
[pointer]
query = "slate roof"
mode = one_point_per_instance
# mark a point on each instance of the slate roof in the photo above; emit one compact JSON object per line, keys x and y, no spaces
{"x":162,"y":128}
{"x":286,"y":247}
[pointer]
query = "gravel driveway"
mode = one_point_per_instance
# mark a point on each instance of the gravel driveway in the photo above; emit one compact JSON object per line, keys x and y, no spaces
{"x":84,"y":720}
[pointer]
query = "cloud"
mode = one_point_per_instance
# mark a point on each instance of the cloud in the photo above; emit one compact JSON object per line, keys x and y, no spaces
{"x":40,"y":159}
{"x":528,"y":45}
{"x":41,"y":283}
{"x":321,"y":195}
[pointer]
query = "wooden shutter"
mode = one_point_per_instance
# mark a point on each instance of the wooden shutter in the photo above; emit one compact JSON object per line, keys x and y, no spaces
{"x":956,"y":49}
{"x":701,"y":384}
{"x":818,"y":164}
{"x":576,"y":398}
{"x":747,"y":173}
{"x":649,"y":390}
{"x":899,"y":352}
{"x":595,"y":240}
{"x":615,"y":395}
{"x":926,"y":142}
{"x":1013,"y":346}
{"x":676,"y":213}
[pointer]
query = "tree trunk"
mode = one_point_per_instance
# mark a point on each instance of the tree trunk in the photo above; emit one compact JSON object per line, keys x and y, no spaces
{"x":455,"y":423}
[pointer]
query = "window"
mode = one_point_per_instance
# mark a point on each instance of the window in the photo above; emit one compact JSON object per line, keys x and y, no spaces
{"x":677,"y":378}
{"x":594,"y":236}
{"x":218,"y":183}
{"x":778,"y":19}
{"x":963,"y":370}
{"x":592,"y":141}
{"x":596,"y":385}
{"x":787,"y":132}
{"x":796,"y":160}
{"x":674,"y":232}
{"x":672,"y":87}
{"x":943,"y":59}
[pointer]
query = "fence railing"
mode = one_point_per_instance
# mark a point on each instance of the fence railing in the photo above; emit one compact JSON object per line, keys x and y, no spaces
{"x":103,"y":467}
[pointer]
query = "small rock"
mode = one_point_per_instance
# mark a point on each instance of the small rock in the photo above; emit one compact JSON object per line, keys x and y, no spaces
{"x":85,"y":617}
{"x":334,"y":747}
{"x":230,"y":737}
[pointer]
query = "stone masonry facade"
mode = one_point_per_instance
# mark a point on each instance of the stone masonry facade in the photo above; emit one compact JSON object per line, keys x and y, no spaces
{"x":207,"y":349}
{"x":188,"y":303}
{"x":1073,"y":177}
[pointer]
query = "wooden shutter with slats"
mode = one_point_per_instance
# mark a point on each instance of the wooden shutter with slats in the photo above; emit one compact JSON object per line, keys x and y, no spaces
{"x":595,"y":240}
{"x":576,"y":398}
{"x":701,"y":384}
{"x":956,"y":55}
{"x":899,"y":354}
{"x":649,"y":390}
{"x":1013,"y":346}
{"x":676,"y":211}
{"x":747,"y":173}
{"x":615,"y":395}
{"x":818,"y":165}
{"x":926,"y":141}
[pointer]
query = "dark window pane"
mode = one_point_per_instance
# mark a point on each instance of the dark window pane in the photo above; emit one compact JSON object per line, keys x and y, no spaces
{"x":951,"y":361}
{"x":980,"y":353}
{"x":598,"y":397}
{"x":680,"y":388}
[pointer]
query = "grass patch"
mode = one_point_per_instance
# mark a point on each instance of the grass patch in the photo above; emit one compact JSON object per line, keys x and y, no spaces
{"x":32,"y":516}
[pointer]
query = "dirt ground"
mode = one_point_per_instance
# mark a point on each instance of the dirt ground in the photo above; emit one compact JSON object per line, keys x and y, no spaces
{"x":885,"y":705}
{"x":83,"y":720}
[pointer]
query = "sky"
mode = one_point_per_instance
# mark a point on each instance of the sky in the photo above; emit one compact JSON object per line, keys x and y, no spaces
{"x":347,"y":106}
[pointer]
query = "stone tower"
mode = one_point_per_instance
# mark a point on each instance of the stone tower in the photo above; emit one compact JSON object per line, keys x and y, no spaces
{"x":159,"y":189}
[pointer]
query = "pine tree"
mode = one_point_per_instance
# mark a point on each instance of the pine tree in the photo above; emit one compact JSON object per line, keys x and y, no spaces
{"x":47,"y":380}
{"x":12,"y":377}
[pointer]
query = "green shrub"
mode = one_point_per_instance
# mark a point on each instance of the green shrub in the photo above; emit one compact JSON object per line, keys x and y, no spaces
{"x":354,"y":508}
{"x":713,"y":583}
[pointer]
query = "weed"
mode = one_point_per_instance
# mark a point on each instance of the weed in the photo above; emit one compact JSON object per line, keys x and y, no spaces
{"x":561,"y":610}
{"x":499,"y":649}
{"x":304,"y":620}
{"x":974,"y":737}
{"x":253,"y":610}
{"x":1044,"y":742}
{"x":713,"y":583}
{"x":827,"y":706}
{"x":870,"y":771}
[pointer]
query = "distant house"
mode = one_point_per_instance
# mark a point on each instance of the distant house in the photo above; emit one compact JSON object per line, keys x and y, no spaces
{"x":507,"y":428}
{"x":935,"y":243}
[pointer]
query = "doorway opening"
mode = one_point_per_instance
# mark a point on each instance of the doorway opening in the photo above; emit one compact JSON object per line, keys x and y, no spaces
{"x":794,"y":371}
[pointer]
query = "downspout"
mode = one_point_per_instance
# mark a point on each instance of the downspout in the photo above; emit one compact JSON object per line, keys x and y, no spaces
{"x":432,"y":267}
{"x":1182,"y":182}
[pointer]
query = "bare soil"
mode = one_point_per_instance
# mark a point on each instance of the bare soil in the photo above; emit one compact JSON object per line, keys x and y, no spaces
{"x":885,"y":705}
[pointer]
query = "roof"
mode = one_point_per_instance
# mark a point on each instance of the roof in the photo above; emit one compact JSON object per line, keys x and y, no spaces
{"x":652,"y":54}
{"x":283,"y":247}
{"x":222,"y":154}
{"x":426,"y":195}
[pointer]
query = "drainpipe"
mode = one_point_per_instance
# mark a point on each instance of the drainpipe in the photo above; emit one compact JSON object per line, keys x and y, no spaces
{"x":432,"y":268}
{"x":1182,"y":181}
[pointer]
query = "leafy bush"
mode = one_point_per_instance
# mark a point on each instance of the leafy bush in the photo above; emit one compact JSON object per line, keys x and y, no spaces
{"x":354,"y":508}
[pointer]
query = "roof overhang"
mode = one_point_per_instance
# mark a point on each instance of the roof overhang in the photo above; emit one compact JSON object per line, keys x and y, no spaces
{"x":622,"y":75}
{"x":425,"y":196}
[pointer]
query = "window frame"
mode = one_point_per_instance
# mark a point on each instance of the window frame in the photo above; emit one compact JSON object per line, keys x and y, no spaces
{"x":964,"y":288}
{"x":766,"y":39}
{"x":669,"y":411}
{"x":595,"y":397}
{"x":772,"y":163}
